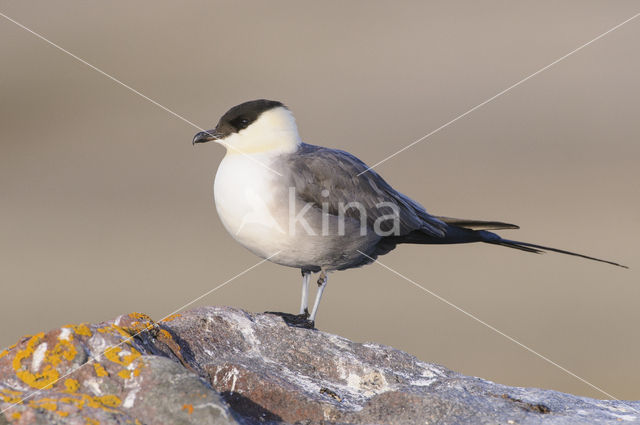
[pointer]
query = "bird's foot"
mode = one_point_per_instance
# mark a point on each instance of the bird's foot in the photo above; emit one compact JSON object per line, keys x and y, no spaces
{"x":295,"y":320}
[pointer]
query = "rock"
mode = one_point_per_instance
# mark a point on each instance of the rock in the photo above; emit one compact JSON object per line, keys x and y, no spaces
{"x":98,"y":374}
{"x":220,"y":365}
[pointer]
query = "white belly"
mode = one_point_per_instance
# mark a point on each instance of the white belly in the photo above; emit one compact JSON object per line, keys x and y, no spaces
{"x":254,"y":206}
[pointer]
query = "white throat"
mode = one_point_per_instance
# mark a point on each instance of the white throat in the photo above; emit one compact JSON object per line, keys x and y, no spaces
{"x":274,"y":132}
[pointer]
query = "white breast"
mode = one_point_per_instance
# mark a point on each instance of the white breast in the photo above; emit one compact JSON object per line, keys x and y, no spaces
{"x":244,"y":197}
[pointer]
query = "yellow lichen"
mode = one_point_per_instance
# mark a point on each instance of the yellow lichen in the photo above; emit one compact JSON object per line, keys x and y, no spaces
{"x":63,"y":350}
{"x":122,"y":357}
{"x":89,"y":401}
{"x":171,"y":317}
{"x":100,"y":370}
{"x":45,"y":403}
{"x":115,"y":354}
{"x":71,"y":385}
{"x":122,"y":331}
{"x":81,"y":329}
{"x":11,"y":396}
{"x":140,"y":316}
{"x":141,"y":324}
{"x":106,"y":403}
{"x":109,"y":400}
{"x":62,"y":413}
{"x":90,"y":421}
{"x":165,"y":336}
{"x":16,"y":415}
{"x":112,"y":329}
{"x":38,"y":380}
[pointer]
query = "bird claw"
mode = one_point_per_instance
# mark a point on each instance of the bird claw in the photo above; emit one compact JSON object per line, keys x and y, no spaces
{"x":295,"y":320}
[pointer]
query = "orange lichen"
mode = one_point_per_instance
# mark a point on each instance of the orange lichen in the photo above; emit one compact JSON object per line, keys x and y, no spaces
{"x":171,"y":317}
{"x":11,"y":396}
{"x":100,"y":370}
{"x":165,"y":336}
{"x":81,"y":329}
{"x":38,"y":380}
{"x":188,"y":408}
{"x":115,"y":329}
{"x":16,"y":415}
{"x":45,"y":403}
{"x":63,"y":350}
{"x":141,"y":323}
{"x":140,"y":316}
{"x":128,"y":373}
{"x":106,"y":403}
{"x":71,"y":385}
{"x":109,"y":400}
{"x":117,"y":355}
{"x":124,"y":374}
{"x":90,"y":421}
{"x":137,"y":328}
{"x":122,"y":331}
{"x":7,"y":350}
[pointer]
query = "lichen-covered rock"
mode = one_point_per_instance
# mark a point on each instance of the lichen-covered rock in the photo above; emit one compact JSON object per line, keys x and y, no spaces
{"x":98,"y":374}
{"x":224,"y":365}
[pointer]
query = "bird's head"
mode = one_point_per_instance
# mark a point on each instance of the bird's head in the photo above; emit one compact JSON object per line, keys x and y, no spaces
{"x":254,"y":127}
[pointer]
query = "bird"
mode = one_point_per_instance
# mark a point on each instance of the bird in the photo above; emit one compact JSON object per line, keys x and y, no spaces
{"x":320,"y":209}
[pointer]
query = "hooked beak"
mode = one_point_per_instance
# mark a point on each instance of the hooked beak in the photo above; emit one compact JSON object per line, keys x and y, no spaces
{"x":205,"y":136}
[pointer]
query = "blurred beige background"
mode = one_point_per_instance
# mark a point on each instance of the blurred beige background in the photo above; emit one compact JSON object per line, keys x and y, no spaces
{"x":106,"y":208}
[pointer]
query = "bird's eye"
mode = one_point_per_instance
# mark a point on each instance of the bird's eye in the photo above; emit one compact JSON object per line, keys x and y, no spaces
{"x":244,"y":122}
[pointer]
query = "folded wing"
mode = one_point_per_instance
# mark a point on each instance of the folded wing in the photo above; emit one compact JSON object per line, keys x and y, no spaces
{"x":329,"y":176}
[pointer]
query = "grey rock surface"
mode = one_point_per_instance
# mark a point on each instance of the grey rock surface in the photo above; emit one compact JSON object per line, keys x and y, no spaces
{"x":217,"y":365}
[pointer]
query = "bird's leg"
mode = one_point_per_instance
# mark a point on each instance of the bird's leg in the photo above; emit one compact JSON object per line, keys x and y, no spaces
{"x":322,"y":283}
{"x":299,"y":320}
{"x":304,"y":304}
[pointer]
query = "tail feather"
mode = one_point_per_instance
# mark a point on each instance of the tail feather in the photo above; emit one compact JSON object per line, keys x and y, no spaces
{"x":539,"y":249}
{"x":456,"y":234}
{"x":478,"y":224}
{"x":520,"y":247}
